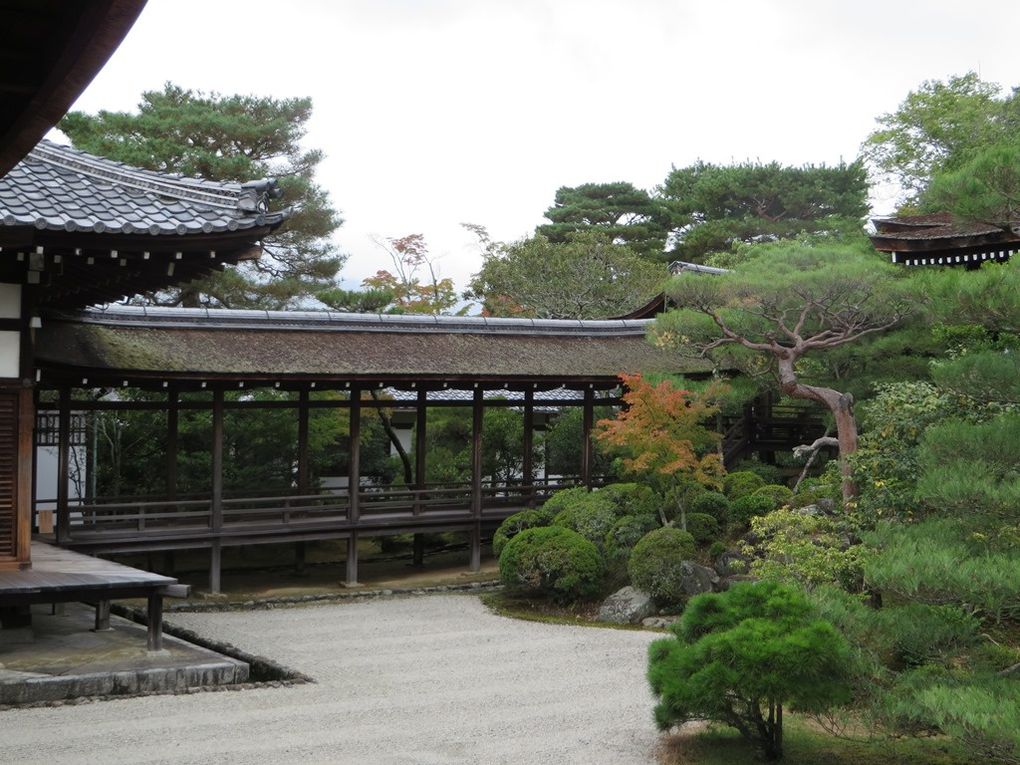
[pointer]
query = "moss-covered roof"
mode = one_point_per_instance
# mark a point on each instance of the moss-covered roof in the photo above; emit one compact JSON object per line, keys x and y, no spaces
{"x":259,"y":345}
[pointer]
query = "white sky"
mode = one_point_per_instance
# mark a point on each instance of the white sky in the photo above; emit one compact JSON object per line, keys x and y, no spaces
{"x":434,"y":112}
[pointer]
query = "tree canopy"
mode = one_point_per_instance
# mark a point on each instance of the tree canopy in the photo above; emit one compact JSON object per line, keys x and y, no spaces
{"x":712,"y":207}
{"x":585,"y":277}
{"x":623,"y":213}
{"x":938,"y":128}
{"x":231,"y":138}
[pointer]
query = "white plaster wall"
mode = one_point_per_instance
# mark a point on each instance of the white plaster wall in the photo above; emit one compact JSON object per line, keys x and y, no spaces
{"x":10,"y":301}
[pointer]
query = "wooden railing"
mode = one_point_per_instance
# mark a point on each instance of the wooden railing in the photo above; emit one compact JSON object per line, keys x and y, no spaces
{"x":284,"y":514}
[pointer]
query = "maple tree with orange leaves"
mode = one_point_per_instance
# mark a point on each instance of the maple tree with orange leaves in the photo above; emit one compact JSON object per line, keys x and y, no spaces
{"x":660,"y":434}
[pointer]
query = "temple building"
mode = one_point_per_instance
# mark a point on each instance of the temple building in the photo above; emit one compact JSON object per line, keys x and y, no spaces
{"x":940,"y":240}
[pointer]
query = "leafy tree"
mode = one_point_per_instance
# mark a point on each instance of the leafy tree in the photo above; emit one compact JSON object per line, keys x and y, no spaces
{"x":623,"y":213}
{"x":414,"y":285}
{"x":231,"y":138}
{"x":585,"y":277}
{"x":660,"y":433}
{"x":938,"y":128}
{"x":985,"y":189}
{"x":778,"y":309}
{"x":741,"y":656}
{"x":714,"y":207}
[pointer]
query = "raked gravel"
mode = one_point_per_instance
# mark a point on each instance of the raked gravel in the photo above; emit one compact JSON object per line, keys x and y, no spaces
{"x":430,"y":679}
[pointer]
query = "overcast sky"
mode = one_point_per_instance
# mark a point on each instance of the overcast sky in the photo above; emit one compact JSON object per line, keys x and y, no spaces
{"x":435,"y":112}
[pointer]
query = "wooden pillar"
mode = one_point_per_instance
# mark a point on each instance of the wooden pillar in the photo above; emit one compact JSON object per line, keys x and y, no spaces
{"x":216,"y":518}
{"x":172,"y":429}
{"x":420,"y":425}
{"x":303,"y":470}
{"x":102,"y":616}
{"x":155,"y":614}
{"x":587,"y":453}
{"x":529,"y":448}
{"x":477,"y":415}
{"x":63,"y":465}
{"x":354,"y":487}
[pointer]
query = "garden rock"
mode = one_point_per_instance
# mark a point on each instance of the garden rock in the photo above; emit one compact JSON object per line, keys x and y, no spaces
{"x":661,"y":622}
{"x":628,"y":605}
{"x":731,"y":562}
{"x":697,"y":579}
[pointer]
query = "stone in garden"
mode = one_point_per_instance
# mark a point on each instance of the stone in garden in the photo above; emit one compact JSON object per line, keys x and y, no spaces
{"x":697,"y":579}
{"x":628,"y":605}
{"x":731,"y":562}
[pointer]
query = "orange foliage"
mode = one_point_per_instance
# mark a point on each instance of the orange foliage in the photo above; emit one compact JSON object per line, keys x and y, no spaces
{"x":661,"y":430}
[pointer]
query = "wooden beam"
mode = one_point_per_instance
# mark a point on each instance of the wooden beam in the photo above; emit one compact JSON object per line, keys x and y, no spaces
{"x":420,"y":478}
{"x":354,"y":486}
{"x":155,"y":614}
{"x":587,"y":453}
{"x":217,"y":461}
{"x":477,"y":418}
{"x":303,"y":466}
{"x":63,"y":466}
{"x":172,"y":429}
{"x":528,"y":466}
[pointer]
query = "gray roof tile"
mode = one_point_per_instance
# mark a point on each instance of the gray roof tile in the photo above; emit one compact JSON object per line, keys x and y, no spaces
{"x":58,"y":188}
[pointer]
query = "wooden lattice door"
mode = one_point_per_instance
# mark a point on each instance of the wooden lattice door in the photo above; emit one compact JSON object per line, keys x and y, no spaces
{"x":8,"y":476}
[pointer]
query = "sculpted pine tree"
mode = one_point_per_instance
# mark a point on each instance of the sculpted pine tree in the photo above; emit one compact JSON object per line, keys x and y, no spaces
{"x":782,"y":307}
{"x":231,"y":138}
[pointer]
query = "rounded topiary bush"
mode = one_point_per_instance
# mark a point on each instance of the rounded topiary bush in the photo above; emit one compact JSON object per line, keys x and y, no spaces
{"x":703,"y":527}
{"x":769,"y":473}
{"x":554,"y":562}
{"x":631,"y":499}
{"x":516,"y":523}
{"x":746,"y":508}
{"x":654,"y":564}
{"x":711,"y":503}
{"x":626,"y":533}
{"x":591,"y":516}
{"x":779,"y":494}
{"x":564,"y":498}
{"x":741,"y":483}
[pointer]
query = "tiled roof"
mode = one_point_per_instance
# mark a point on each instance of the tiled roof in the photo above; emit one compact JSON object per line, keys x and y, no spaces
{"x":193,"y":343}
{"x":932,"y":226}
{"x":57,"y":188}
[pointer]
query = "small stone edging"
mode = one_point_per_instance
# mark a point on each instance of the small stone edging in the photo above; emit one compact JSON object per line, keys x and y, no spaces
{"x":259,"y":666}
{"x":286,"y":601}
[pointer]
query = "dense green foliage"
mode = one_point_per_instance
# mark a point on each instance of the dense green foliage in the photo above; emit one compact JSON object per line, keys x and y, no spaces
{"x":712,"y":503}
{"x":740,"y":484}
{"x":231,"y":138}
{"x":618,"y":211}
{"x":654,"y":564}
{"x":741,"y":656}
{"x":714,"y":207}
{"x":552,"y":561}
{"x":703,"y":527}
{"x":515,"y":524}
{"x":590,"y":514}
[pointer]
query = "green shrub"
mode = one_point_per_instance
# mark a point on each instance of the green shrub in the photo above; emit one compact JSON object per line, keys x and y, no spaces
{"x":780,"y":494}
{"x":591,"y":515}
{"x":768,"y":473}
{"x":626,"y":533}
{"x":716,"y":549}
{"x":750,"y":506}
{"x":631,"y":499}
{"x":564,"y":498}
{"x":516,"y":523}
{"x":712,"y":503}
{"x":654,"y":564}
{"x":703,"y":527}
{"x":742,"y":483}
{"x":552,"y":561}
{"x":737,"y":655}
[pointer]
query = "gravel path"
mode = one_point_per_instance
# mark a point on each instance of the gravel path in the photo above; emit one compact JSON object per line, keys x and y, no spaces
{"x":430,"y":680}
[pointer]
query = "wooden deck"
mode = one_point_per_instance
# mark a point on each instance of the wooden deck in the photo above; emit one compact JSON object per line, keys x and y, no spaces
{"x":59,"y":575}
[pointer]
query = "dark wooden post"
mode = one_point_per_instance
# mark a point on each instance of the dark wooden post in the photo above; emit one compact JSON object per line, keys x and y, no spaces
{"x":303,"y":471}
{"x":155,"y":614}
{"x":102,"y":616}
{"x":421,"y":416}
{"x":587,"y":453}
{"x":63,"y":465}
{"x":172,"y":429}
{"x":354,"y":487}
{"x":477,"y":415}
{"x":529,"y":448}
{"x":216,"y":519}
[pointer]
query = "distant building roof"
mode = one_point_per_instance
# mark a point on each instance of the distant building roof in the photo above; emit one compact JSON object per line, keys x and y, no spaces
{"x":940,"y":239}
{"x":151,"y":344}
{"x":57,"y":188}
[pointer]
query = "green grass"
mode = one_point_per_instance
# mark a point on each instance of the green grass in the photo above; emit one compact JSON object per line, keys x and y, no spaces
{"x":805,"y":744}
